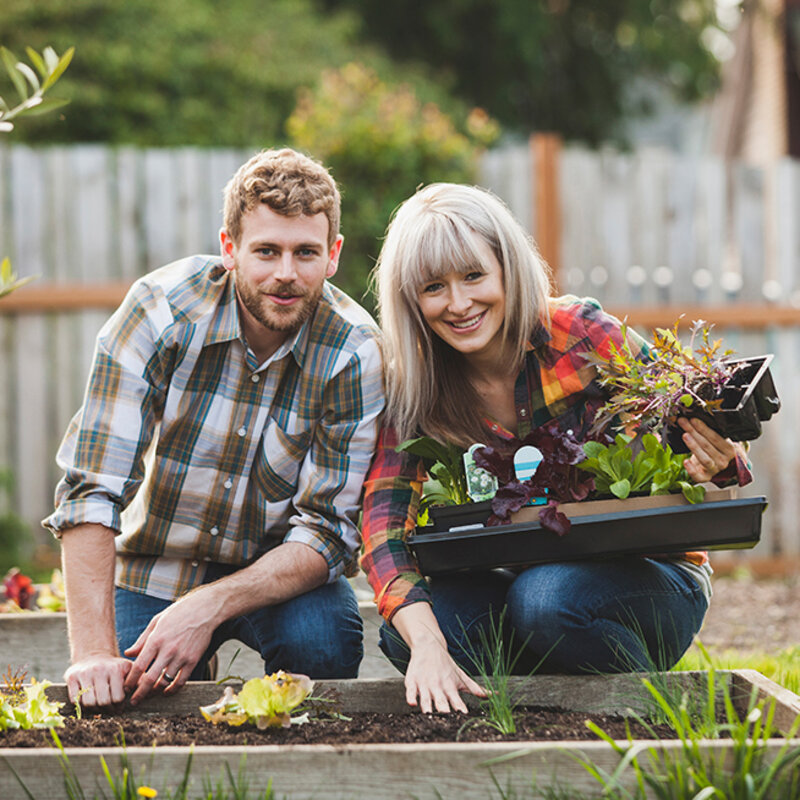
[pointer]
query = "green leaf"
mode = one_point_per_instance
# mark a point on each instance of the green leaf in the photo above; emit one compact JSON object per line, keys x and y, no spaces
{"x":37,"y":61}
{"x":686,"y":399}
{"x":593,"y":449}
{"x":621,"y":489}
{"x":29,"y":75}
{"x":10,"y":62}
{"x":48,"y":104}
{"x":63,"y":63}
{"x":693,"y":492}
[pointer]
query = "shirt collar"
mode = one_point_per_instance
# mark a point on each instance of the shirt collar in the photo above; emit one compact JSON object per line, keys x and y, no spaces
{"x":224,"y":325}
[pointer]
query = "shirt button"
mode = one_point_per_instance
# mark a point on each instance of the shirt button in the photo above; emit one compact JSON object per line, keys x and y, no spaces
{"x":255,"y":378}
{"x":242,"y":431}
{"x":228,"y":483}
{"x":206,"y":558}
{"x":214,"y":531}
{"x":523,"y":412}
{"x":195,"y":564}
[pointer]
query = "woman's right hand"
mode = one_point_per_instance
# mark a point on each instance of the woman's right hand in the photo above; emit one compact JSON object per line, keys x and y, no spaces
{"x":433,"y":679}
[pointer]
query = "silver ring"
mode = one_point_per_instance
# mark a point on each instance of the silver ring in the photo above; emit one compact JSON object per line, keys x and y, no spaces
{"x":168,"y":678}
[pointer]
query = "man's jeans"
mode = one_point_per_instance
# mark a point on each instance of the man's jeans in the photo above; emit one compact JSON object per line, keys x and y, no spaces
{"x":318,"y":633}
{"x":621,"y":615}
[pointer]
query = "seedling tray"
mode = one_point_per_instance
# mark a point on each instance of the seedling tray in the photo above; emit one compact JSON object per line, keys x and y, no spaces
{"x":676,"y":527}
{"x":747,"y":401}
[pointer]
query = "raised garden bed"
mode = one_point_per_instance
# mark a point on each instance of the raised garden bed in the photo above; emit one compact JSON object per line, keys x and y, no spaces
{"x":458,"y":769}
{"x":459,"y":540}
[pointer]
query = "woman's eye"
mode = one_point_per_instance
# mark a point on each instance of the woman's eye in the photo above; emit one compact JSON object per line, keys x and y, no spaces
{"x":430,"y":288}
{"x":474,"y":276}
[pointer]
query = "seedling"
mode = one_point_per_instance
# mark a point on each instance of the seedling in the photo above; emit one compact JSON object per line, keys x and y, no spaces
{"x":654,"y":470}
{"x":266,"y":702}
{"x":650,"y":395}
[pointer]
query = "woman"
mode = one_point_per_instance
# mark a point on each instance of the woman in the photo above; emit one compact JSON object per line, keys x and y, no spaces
{"x":478,"y":352}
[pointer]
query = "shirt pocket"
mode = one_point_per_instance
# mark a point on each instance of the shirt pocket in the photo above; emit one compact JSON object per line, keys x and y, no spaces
{"x":278,"y":461}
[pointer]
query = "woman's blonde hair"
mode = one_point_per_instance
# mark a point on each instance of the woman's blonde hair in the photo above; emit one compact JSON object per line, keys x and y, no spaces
{"x":430,"y":234}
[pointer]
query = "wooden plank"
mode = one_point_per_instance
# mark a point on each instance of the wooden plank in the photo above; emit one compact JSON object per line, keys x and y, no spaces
{"x":749,"y":231}
{"x":129,"y":213}
{"x":160,"y":208}
{"x":711,"y":230}
{"x":614,"y":225}
{"x":579,"y":190}
{"x":63,"y":297}
{"x":681,"y":233}
{"x":750,"y":317}
{"x":545,"y":151}
{"x":648,"y":228}
{"x":499,"y":171}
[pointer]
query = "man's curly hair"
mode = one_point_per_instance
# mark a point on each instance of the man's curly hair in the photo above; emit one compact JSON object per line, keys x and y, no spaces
{"x":289,"y":182}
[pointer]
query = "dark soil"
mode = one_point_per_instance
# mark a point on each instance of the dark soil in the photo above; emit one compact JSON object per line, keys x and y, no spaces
{"x":362,"y":728}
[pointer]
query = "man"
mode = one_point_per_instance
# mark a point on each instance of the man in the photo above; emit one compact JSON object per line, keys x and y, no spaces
{"x":213,"y":475}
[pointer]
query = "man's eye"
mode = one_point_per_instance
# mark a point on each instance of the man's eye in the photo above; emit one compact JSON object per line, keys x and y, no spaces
{"x":305,"y":252}
{"x":265,"y":251}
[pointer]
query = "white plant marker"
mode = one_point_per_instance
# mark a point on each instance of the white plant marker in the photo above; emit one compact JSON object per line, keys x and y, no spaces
{"x":526,"y":462}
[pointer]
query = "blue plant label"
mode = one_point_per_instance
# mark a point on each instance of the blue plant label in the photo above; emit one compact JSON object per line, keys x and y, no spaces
{"x":526,"y":462}
{"x":481,"y":485}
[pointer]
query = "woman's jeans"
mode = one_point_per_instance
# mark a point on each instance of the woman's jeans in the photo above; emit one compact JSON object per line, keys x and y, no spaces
{"x":318,"y":633}
{"x":622,"y":615}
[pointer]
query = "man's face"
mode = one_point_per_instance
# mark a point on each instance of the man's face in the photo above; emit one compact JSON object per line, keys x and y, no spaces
{"x":280,"y":264}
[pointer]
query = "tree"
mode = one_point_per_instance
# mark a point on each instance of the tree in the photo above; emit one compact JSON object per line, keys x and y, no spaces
{"x":178,"y":72}
{"x":560,"y":65}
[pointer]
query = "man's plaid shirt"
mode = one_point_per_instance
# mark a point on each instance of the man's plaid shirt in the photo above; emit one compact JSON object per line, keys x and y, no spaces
{"x":192,"y":452}
{"x":556,"y":382}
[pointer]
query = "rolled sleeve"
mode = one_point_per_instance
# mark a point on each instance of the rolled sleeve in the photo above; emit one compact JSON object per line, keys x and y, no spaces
{"x":102,"y":454}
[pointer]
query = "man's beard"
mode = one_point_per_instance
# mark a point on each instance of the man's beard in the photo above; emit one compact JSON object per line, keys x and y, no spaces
{"x":286,"y":319}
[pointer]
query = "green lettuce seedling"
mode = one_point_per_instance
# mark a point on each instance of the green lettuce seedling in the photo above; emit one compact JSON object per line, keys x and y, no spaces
{"x":266,"y":702}
{"x":654,"y":470}
{"x":28,"y":707}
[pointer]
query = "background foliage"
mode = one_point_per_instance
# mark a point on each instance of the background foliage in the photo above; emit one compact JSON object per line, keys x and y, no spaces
{"x":179,"y":72}
{"x":381,"y":142}
{"x":551,"y":65}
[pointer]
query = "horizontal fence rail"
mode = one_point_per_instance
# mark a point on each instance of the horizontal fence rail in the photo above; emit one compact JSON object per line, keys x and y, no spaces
{"x":650,"y":234}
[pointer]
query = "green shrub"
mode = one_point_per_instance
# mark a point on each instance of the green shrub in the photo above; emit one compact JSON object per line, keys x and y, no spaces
{"x":381,"y":142}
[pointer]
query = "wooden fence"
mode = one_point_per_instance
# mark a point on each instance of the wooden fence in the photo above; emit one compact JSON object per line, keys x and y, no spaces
{"x":650,"y":234}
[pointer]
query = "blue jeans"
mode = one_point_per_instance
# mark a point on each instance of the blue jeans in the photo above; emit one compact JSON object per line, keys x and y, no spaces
{"x":318,"y":633}
{"x":621,"y":615}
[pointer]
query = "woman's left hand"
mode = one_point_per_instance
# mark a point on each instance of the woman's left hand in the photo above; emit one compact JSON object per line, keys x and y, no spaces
{"x":710,"y":452}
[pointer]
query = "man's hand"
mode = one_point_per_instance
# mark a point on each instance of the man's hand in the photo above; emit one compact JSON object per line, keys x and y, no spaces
{"x":97,"y":680}
{"x":710,"y":452}
{"x":170,"y":646}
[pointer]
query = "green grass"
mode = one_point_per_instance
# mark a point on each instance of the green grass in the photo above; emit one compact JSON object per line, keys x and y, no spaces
{"x":782,"y":667}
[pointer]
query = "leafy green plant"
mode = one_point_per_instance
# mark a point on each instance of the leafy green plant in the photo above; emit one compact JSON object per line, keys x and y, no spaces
{"x":650,"y":395}
{"x":27,"y":706}
{"x":31,"y":87}
{"x":265,"y":702}
{"x":494,"y":660}
{"x":746,"y":770}
{"x":445,"y":464}
{"x":654,"y":470}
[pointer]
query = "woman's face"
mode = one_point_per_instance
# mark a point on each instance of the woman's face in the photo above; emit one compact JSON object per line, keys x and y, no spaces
{"x":467,"y":310}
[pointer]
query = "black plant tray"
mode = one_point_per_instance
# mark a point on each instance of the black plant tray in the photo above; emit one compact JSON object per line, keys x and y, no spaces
{"x":725,"y":525}
{"x":748,"y":400}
